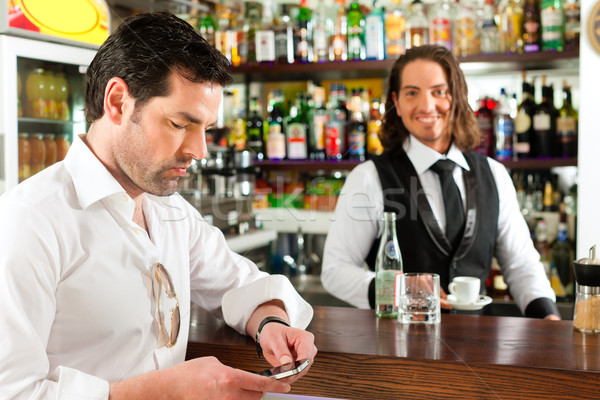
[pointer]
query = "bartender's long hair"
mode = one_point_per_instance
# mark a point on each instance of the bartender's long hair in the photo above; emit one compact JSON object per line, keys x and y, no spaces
{"x":461,"y":123}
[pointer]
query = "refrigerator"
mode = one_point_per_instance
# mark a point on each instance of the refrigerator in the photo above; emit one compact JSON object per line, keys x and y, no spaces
{"x":43,"y":60}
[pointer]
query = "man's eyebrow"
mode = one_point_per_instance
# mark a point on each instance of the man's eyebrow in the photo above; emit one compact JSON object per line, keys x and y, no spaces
{"x":439,"y":85}
{"x":189,"y":117}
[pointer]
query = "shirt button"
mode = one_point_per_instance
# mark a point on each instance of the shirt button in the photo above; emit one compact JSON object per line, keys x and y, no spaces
{"x":125,"y":198}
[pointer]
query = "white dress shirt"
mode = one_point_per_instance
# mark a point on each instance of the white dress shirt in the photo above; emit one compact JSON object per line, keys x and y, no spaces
{"x":358,"y":219}
{"x":78,"y":302}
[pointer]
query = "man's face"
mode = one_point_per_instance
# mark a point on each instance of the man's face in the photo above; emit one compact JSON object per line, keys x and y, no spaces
{"x":158,"y":141}
{"x":423,"y":102}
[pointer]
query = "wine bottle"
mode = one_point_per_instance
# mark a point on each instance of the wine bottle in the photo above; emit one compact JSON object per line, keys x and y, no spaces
{"x":544,"y":123}
{"x":566,"y":126}
{"x":524,"y":122}
{"x":254,"y":129}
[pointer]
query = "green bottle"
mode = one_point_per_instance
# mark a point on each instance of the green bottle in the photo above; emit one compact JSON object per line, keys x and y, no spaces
{"x":207,"y":28}
{"x":297,"y":131}
{"x":356,"y":33}
{"x":303,"y":48}
{"x":553,"y":25}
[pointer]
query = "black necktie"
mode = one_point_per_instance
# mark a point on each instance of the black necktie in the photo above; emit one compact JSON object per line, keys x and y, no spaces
{"x":455,"y":215}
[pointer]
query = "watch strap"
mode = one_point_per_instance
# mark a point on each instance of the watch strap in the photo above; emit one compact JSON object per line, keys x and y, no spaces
{"x":261,"y":326}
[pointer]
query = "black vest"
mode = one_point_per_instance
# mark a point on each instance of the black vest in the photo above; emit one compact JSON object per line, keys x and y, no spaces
{"x":423,"y":245}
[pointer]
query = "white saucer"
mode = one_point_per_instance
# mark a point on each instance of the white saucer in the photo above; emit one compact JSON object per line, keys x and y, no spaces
{"x":477,"y":305}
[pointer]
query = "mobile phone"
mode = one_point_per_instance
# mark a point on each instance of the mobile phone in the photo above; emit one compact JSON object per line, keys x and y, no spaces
{"x":286,"y":370}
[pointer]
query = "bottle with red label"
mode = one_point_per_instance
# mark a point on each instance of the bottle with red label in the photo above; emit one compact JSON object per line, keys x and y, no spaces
{"x":440,"y":24}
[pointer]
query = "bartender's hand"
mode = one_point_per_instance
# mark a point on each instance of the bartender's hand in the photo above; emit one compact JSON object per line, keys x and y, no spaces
{"x":443,"y":302}
{"x":201,"y":378}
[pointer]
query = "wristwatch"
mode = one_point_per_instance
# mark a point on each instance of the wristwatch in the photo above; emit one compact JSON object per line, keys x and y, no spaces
{"x":261,"y":326}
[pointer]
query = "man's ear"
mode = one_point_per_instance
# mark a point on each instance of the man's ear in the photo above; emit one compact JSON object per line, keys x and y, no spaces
{"x":395,"y":100}
{"x":115,"y":95}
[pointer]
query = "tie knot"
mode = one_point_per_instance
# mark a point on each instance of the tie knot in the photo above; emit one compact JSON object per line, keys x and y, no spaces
{"x":443,"y":166}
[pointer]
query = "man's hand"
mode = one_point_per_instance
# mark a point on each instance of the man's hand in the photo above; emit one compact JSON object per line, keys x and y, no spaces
{"x":199,"y":379}
{"x":283,"y":345}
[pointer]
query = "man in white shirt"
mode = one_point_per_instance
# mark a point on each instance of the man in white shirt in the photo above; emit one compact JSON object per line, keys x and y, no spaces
{"x":428,"y":123}
{"x":100,"y":258}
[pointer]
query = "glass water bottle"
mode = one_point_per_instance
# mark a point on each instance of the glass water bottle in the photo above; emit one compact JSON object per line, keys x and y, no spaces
{"x":388,"y":267}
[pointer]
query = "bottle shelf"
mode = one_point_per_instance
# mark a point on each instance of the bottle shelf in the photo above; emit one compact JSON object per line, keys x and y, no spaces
{"x":311,"y":165}
{"x":541,"y":163}
{"x":475,"y":64}
{"x":44,"y":121}
{"x":306,"y":165}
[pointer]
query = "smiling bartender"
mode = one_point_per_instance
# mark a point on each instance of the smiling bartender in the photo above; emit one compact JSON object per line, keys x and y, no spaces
{"x":100,"y":258}
{"x":428,"y":119}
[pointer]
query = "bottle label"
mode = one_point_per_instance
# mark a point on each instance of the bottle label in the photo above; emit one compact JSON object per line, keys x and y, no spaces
{"x":390,"y":250}
{"x":319,"y":129}
{"x":374,"y":37}
{"x":565,"y":129}
{"x":265,"y":46}
{"x":296,"y":137}
{"x":541,"y":122}
{"x":356,"y":143}
{"x":395,"y":29}
{"x":385,"y":286}
{"x":522,"y":122}
{"x":332,"y":140}
{"x":440,"y":32}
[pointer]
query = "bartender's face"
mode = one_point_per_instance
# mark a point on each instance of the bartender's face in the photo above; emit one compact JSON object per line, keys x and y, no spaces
{"x":423,"y":102}
{"x":160,"y":139}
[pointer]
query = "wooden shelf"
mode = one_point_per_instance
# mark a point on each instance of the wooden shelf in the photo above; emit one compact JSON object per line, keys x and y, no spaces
{"x":541,"y":163}
{"x":306,"y":165}
{"x":309,"y":165}
{"x":476,"y":64}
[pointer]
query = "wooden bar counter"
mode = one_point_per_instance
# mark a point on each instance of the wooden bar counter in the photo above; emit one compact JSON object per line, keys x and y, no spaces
{"x":464,"y":357}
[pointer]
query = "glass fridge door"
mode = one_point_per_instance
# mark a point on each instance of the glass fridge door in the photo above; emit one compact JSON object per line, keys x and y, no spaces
{"x":41,"y":106}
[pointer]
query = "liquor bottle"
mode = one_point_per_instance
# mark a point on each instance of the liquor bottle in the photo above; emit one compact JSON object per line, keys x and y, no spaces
{"x":265,"y":36}
{"x":395,"y":30}
{"x":375,"y":33}
{"x":548,"y":201}
{"x":504,"y":129}
{"x":563,"y":254}
{"x":531,"y":26}
{"x":297,"y":131}
{"x":276,"y":142}
{"x":376,"y":111}
{"x":566,"y":126}
{"x":524,"y":122}
{"x":485,"y":119}
{"x":321,"y":32}
{"x":356,"y":33}
{"x":335,"y":126}
{"x":490,"y":34}
{"x":553,"y":25}
{"x":466,"y":39}
{"x":237,"y":134}
{"x":572,"y":24}
{"x":207,"y":28}
{"x":542,"y":245}
{"x":251,"y":26}
{"x":544,"y":123}
{"x":318,"y":120}
{"x":303,"y":42}
{"x":239,"y":47}
{"x":388,"y":268}
{"x":284,"y":37}
{"x":441,"y":24}
{"x":511,"y":27}
{"x":339,"y":39}
{"x":255,"y":131}
{"x":357,"y":129}
{"x":417,"y":26}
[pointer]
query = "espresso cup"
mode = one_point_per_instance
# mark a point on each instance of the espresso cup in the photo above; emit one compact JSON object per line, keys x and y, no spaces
{"x":465,"y":289}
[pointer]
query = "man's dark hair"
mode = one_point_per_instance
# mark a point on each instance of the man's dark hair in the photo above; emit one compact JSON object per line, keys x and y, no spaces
{"x":462,"y":123}
{"x":143,"y":51}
